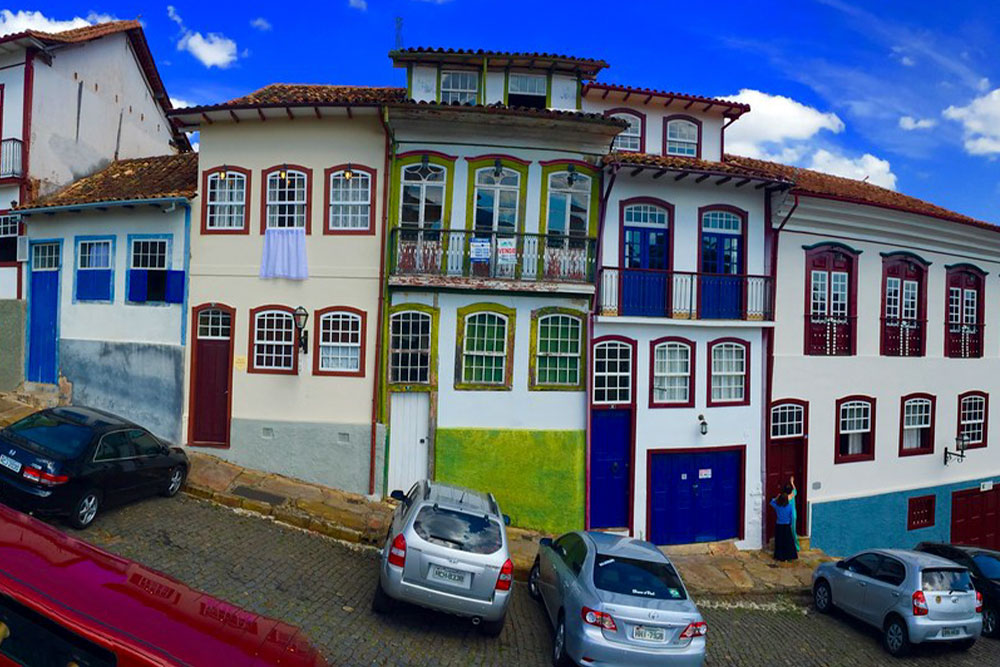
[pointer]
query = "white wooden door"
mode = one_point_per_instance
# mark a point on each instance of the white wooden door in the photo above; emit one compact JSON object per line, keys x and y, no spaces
{"x":408,"y":439}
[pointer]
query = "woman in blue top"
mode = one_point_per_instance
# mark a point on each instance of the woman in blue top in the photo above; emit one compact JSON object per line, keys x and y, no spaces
{"x":784,"y":536}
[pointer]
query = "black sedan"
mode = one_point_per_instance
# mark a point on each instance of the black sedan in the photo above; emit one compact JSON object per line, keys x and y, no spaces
{"x":984,"y":564}
{"x":73,"y":461}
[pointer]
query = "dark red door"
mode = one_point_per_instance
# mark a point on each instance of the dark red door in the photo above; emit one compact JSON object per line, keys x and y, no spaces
{"x":785,"y":458}
{"x":211,"y":375}
{"x":975,"y":519}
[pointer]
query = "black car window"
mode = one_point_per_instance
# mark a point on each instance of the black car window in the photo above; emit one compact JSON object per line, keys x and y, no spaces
{"x":145,"y":444}
{"x":116,"y":445}
{"x":576,"y":553}
{"x":945,"y":579}
{"x":891,"y":571}
{"x":51,"y":436}
{"x":865,"y":564}
{"x":988,"y":565}
{"x":473,"y":533}
{"x":641,"y":578}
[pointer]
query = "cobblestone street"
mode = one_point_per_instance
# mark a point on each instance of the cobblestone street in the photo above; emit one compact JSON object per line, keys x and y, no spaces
{"x":325,"y":587}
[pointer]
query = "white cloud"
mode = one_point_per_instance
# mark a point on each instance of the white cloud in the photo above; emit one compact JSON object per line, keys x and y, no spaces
{"x":358,"y":4}
{"x":212,"y":50}
{"x":867,"y":167}
{"x":911,"y":123}
{"x":983,"y":85}
{"x":777,"y":126}
{"x":980,"y":121}
{"x":19,"y":21}
{"x":908,"y":61}
{"x":178,"y":103}
{"x":196,"y":146}
{"x":261,"y":24}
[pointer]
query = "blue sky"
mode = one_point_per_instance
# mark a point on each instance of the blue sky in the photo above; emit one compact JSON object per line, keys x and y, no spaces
{"x":905,"y":93}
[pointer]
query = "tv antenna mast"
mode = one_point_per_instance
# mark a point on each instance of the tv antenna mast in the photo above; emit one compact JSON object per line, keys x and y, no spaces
{"x":399,"y":32}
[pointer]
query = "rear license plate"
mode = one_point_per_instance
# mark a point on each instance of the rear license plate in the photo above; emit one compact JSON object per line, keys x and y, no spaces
{"x":648,"y":634}
{"x":950,"y":632}
{"x":10,"y":463}
{"x":449,"y":575}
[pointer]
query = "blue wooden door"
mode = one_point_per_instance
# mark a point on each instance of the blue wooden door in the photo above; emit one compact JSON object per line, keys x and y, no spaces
{"x":645,"y":279}
{"x":695,"y":497}
{"x":721,"y":285}
{"x":610,"y":478}
{"x":43,"y":312}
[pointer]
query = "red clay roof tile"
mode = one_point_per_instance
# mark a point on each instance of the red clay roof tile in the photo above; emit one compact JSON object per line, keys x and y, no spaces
{"x":649,"y":92}
{"x":676,"y":163}
{"x":296,"y":94}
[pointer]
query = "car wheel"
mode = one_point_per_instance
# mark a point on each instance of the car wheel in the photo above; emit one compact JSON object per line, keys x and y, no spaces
{"x":965,"y":644}
{"x":381,"y":602}
{"x":822,"y":597}
{"x":559,"y":657}
{"x":895,"y":638}
{"x":989,"y":622}
{"x":492,"y":628}
{"x":85,"y":510}
{"x":533,"y":578}
{"x":175,"y":480}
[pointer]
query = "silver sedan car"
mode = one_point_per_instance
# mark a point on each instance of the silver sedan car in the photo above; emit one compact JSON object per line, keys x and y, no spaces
{"x":913,"y":597}
{"x":615,"y":601}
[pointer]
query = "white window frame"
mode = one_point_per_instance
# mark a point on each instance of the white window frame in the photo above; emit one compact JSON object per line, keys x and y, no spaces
{"x":424,"y":184}
{"x":680,"y":145}
{"x":43,"y":258}
{"x":10,"y":225}
{"x":396,"y":346}
{"x":261,"y":322}
{"x":788,"y":420}
{"x":973,"y":418}
{"x":215,"y":324}
{"x":664,"y":391}
{"x":856,"y":423}
{"x":349,"y":350}
{"x":628,"y":140}
{"x":350,"y":206}
{"x":917,"y":416}
{"x":497,"y":189}
{"x":646,"y":215}
{"x":226,"y":201}
{"x":723,"y":387}
{"x":515,"y":79}
{"x":296,"y":189}
{"x":567,"y":194}
{"x":577,"y":356}
{"x":80,"y":255}
{"x":143,"y":256}
{"x":459,"y":91}
{"x":469,"y":356}
{"x":621,"y":393}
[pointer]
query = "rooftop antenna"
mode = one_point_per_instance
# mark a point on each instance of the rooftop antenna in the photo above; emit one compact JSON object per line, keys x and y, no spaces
{"x":865,"y":179}
{"x":399,"y":32}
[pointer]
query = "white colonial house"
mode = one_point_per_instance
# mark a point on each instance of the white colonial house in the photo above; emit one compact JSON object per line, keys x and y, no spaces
{"x":286,"y":282}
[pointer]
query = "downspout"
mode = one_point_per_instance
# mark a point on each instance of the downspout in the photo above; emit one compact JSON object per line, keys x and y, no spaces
{"x":376,"y":389}
{"x":22,"y":194}
{"x":722,"y":138}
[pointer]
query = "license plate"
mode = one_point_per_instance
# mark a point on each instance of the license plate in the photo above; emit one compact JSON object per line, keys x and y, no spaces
{"x":950,"y":632}
{"x":10,"y":463}
{"x":648,"y":634}
{"x":449,"y":575}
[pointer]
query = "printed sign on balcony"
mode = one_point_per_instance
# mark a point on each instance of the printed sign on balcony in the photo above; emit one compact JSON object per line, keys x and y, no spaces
{"x":506,"y":251}
{"x":479,"y":250}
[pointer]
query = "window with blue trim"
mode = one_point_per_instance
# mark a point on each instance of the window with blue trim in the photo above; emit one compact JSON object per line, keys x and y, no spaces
{"x":94,"y":275}
{"x":150,"y":278}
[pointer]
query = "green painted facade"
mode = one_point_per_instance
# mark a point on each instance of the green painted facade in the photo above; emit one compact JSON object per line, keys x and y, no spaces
{"x":536,"y":476}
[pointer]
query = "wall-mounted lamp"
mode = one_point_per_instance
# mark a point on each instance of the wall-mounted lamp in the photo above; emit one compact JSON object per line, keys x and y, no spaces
{"x":961,"y":443}
{"x":224,"y":173}
{"x":702,"y":425}
{"x":425,"y":160}
{"x":571,"y":179}
{"x":497,"y":168}
{"x":283,"y":172}
{"x":349,"y":172}
{"x":301,"y":317}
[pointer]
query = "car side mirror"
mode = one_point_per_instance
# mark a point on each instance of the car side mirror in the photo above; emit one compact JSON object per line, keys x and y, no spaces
{"x":842,"y":564}
{"x":545,"y":542}
{"x":398,"y":495}
{"x":506,"y":520}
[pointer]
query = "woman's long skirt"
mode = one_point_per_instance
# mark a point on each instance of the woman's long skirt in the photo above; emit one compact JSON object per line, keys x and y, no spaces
{"x":784,"y":542}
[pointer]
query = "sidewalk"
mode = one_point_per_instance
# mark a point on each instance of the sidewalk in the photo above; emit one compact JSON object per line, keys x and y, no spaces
{"x":712,"y":569}
{"x":11,"y":411}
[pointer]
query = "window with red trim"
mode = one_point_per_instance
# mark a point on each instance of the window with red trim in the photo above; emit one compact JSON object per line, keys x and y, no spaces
{"x":728,"y":372}
{"x":273,"y":341}
{"x":788,"y":420}
{"x":287,"y":198}
{"x":682,"y":136}
{"x":855,"y":429}
{"x":916,"y":424}
{"x":226,"y":207}
{"x":671,"y":373}
{"x":904,"y":305}
{"x":973,"y":418}
{"x":340,"y":342}
{"x":920,"y":512}
{"x":350,"y":200}
{"x":831,"y":300}
{"x":612,"y":372}
{"x":631,"y":139}
{"x":964,"y":324}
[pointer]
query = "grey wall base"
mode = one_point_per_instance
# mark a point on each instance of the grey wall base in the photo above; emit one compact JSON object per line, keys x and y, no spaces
{"x":12,"y":314}
{"x":334,"y":455}
{"x":139,"y":381}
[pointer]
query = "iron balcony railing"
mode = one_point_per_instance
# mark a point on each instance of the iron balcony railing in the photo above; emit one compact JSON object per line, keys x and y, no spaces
{"x":492,"y":255}
{"x":11,"y":158}
{"x":685,"y":295}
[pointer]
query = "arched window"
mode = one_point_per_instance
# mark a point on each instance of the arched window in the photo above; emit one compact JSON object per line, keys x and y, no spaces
{"x":682,"y":137}
{"x":422,"y":204}
{"x":214,"y":324}
{"x":672,"y":373}
{"x":788,"y":420}
{"x":226,"y":199}
{"x":973,"y":418}
{"x":612,"y":372}
{"x":831,"y":286}
{"x":497,"y":197}
{"x":904,"y":304}
{"x":964,"y":328}
{"x":287,"y":197}
{"x":558,"y":348}
{"x":273,"y":340}
{"x":631,"y":138}
{"x":340,"y":342}
{"x":916,"y":424}
{"x":410,"y":347}
{"x":484,"y":349}
{"x":855,"y":429}
{"x":729,"y":372}
{"x":350,"y":199}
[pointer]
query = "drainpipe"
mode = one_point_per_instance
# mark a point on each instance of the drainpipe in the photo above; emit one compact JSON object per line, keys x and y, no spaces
{"x":376,"y":389}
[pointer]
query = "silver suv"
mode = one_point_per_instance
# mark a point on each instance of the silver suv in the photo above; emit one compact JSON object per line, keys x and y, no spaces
{"x":912,"y":597}
{"x":447,"y":550}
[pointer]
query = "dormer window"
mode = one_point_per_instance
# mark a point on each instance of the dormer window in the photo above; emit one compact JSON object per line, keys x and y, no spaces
{"x":460,"y":87}
{"x":527,"y":90}
{"x":630,"y":140}
{"x":682,"y":137}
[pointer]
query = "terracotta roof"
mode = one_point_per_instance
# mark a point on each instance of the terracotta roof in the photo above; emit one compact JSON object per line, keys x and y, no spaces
{"x":306,"y":94}
{"x":504,"y":110}
{"x":818,"y":184}
{"x":649,"y":93}
{"x":159,"y":177}
{"x":83,"y":34}
{"x":675,"y":163}
{"x":586,"y":66}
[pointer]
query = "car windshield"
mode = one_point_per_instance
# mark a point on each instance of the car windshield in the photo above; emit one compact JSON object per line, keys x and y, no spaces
{"x":988,"y":565}
{"x":945,"y":580}
{"x":641,"y":578}
{"x":51,"y":436}
{"x":473,"y":533}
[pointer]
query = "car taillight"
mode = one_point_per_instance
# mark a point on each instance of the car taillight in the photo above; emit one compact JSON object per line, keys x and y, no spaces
{"x":919,"y":604}
{"x":506,"y":576}
{"x":598,"y":618}
{"x":699,"y":629}
{"x":397,"y":552}
{"x":979,"y":602}
{"x":44,"y":478}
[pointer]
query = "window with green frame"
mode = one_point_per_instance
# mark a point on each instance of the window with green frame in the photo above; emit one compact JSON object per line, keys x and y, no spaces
{"x":559,"y":348}
{"x":484,"y":349}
